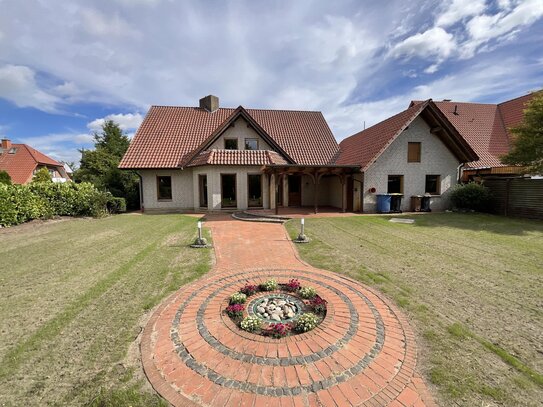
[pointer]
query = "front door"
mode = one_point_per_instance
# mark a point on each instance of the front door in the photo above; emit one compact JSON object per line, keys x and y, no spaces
{"x":294,"y":190}
{"x":254,"y":187}
{"x":228,"y":190}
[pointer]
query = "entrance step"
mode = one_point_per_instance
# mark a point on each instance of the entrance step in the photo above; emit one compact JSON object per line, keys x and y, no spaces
{"x":249,"y":216}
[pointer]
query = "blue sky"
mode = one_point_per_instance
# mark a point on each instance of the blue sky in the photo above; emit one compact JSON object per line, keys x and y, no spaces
{"x":65,"y":67}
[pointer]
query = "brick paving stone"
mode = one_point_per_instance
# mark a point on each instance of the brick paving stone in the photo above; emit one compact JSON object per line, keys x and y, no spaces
{"x":363,"y":352}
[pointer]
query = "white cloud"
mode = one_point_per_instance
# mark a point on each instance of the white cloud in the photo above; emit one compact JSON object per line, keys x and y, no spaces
{"x":18,"y":85}
{"x":459,"y":10}
{"x":100,"y":24}
{"x":484,"y":28}
{"x":128,"y":121}
{"x":435,"y":42}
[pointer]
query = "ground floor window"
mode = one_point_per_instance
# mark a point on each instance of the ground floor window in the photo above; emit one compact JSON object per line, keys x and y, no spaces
{"x":254,"y":186}
{"x":395,"y":184}
{"x":164,"y":188}
{"x":433,"y":185}
{"x":228,"y":191}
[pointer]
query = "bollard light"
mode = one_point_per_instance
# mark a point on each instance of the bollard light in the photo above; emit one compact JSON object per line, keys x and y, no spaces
{"x":199,"y":230}
{"x":302,"y":223}
{"x":200,"y":242}
{"x":302,"y":238}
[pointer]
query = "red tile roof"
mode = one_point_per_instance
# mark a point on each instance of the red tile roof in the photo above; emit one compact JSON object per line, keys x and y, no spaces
{"x":170,"y":136}
{"x":20,"y":165}
{"x":486,"y":126}
{"x":365,"y":147}
{"x":512,"y":111}
{"x":237,"y":157}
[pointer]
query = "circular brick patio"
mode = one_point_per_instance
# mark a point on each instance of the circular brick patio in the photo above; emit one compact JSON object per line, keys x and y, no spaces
{"x":363,"y":353}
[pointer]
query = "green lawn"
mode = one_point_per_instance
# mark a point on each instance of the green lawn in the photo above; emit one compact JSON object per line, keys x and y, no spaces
{"x":472,"y":286}
{"x":74,"y":296}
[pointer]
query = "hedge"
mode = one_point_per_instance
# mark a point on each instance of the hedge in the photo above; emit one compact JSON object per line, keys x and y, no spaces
{"x":42,"y":200}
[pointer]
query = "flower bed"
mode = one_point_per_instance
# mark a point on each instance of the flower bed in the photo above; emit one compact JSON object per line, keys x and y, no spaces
{"x":276,"y":309}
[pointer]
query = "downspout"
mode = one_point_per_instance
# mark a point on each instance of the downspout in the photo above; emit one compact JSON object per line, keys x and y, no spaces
{"x":459,"y":172}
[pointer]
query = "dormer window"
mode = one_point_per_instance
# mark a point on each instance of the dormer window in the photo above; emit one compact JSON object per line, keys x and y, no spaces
{"x":251,"y":144}
{"x":230,"y":144}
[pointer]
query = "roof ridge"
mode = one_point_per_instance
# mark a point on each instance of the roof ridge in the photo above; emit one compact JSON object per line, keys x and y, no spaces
{"x":519,"y":97}
{"x":234,"y":108}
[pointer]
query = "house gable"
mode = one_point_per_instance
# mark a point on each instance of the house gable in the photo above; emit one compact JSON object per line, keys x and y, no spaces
{"x":240,"y":130}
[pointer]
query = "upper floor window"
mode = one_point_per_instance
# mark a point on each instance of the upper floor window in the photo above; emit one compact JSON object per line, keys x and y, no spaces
{"x":251,"y":144}
{"x":413,"y":152}
{"x":433,"y":185}
{"x":164,"y":187}
{"x":230,"y":144}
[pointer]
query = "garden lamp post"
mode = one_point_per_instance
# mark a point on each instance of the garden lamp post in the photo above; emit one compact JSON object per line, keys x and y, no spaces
{"x":302,"y":238}
{"x":200,"y":242}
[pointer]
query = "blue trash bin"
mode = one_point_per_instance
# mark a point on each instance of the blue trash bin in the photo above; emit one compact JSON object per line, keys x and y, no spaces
{"x":383,"y":203}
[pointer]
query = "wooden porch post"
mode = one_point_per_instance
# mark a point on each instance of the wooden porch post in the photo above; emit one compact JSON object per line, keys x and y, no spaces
{"x":273,"y":192}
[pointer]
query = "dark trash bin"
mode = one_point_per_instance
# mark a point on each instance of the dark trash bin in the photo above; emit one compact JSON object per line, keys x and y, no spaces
{"x":425,"y":204}
{"x":396,"y":203}
{"x":383,"y":203}
{"x":416,"y":203}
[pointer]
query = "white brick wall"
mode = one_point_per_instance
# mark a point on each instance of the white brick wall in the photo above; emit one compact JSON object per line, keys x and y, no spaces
{"x":436,"y":159}
{"x":182,"y":197}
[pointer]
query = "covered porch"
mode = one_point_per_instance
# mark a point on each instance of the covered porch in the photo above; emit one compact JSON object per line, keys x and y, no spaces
{"x":304,"y":186}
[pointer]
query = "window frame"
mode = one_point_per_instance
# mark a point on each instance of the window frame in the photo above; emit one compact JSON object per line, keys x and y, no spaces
{"x":418,"y":158}
{"x":401,"y":183}
{"x":438,"y":184}
{"x":158,"y":197}
{"x":251,"y":139}
{"x":231,"y":139}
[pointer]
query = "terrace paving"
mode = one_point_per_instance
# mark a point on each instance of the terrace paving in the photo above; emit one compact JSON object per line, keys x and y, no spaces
{"x":362,"y":354}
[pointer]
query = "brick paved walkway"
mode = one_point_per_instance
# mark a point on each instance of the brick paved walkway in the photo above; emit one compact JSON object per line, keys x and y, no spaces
{"x":363,"y":353}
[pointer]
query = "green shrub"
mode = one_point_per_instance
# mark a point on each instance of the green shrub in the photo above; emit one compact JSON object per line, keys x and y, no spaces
{"x":308,"y":292}
{"x":42,"y":175}
{"x":5,"y":178}
{"x":116,"y":205}
{"x":250,"y":323}
{"x":307,"y":322}
{"x":39,"y":200}
{"x":471,"y":196}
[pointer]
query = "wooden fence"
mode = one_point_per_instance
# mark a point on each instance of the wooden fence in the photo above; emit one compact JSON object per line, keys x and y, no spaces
{"x":522,"y":197}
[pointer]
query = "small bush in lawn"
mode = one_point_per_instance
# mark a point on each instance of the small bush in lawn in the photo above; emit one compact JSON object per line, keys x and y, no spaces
{"x":293,"y":285}
{"x":249,"y":289}
{"x":235,"y":310}
{"x":308,"y":292}
{"x":318,"y":304}
{"x":269,"y":285}
{"x":307,"y":322}
{"x":238,"y":298}
{"x":471,"y":196}
{"x":250,"y":323}
{"x":279,"y":330}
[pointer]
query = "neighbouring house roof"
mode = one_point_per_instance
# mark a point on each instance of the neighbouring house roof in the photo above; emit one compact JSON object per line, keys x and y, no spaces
{"x":237,"y":157}
{"x":171,"y":137}
{"x":20,"y":164}
{"x":485,"y":126}
{"x":365,"y":147}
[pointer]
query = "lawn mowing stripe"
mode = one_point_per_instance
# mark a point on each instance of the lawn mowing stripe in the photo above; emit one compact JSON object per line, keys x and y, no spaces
{"x":54,"y":326}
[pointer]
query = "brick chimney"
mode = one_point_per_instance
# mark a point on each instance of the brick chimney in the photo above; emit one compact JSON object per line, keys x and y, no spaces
{"x":6,"y":144}
{"x":209,"y":103}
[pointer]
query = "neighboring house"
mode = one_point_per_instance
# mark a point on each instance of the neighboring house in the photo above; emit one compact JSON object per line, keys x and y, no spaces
{"x":486,"y":127}
{"x":415,"y":152}
{"x":212,"y":158}
{"x":21,"y":162}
